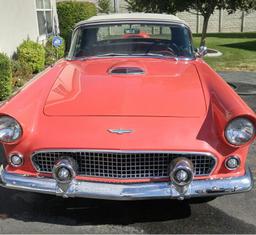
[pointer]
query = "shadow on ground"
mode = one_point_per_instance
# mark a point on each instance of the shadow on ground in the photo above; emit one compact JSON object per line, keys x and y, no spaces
{"x":230,"y":35}
{"x":55,"y":210}
{"x":158,"y":216}
{"x":249,"y":46}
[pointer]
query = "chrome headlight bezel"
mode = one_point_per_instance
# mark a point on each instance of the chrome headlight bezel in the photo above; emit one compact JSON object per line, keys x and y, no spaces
{"x":239,"y":131}
{"x":10,"y":129}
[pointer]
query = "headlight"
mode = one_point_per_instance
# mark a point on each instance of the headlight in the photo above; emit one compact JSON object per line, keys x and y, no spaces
{"x":10,"y":129}
{"x":239,"y":131}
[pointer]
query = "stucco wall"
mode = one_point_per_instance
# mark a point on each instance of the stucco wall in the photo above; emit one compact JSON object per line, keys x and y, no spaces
{"x":250,"y":22}
{"x":18,"y":21}
{"x":220,"y":21}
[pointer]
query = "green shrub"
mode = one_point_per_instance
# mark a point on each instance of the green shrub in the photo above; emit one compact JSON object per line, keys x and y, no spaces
{"x":21,"y":73}
{"x":104,"y":6}
{"x":5,"y":76}
{"x":33,"y":54}
{"x":70,"y":13}
{"x":52,"y":54}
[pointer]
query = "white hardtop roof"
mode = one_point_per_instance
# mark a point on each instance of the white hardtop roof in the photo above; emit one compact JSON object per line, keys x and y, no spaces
{"x":133,"y":16}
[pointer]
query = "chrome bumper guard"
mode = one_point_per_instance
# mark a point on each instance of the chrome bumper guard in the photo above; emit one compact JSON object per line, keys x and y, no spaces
{"x":197,"y":188}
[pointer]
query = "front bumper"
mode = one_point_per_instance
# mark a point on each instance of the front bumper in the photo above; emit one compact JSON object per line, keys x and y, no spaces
{"x":198,"y":188}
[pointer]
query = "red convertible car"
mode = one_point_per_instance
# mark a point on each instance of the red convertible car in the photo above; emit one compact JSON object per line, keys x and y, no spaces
{"x":127,"y":118}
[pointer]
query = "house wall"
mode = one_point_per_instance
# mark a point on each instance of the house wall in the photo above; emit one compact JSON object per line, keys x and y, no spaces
{"x":18,"y":22}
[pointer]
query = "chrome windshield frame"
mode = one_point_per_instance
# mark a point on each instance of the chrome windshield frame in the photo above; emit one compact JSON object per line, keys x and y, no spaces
{"x":135,"y":21}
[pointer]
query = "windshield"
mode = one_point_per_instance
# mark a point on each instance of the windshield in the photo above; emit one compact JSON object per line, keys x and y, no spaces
{"x":132,"y":39}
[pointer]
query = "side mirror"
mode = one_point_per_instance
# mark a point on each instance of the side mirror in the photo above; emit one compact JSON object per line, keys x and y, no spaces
{"x":202,"y":51}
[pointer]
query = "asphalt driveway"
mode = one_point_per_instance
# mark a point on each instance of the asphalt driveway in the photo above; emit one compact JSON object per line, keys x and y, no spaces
{"x":22,"y":212}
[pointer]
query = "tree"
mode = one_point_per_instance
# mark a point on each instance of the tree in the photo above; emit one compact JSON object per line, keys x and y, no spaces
{"x":104,"y":6}
{"x":204,"y":7}
{"x":207,"y":7}
{"x":156,"y":6}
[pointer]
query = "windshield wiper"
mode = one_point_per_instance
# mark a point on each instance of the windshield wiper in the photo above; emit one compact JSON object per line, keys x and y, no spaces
{"x":95,"y":56}
{"x":123,"y":54}
{"x":157,"y":55}
{"x":133,"y":54}
{"x":111,"y":54}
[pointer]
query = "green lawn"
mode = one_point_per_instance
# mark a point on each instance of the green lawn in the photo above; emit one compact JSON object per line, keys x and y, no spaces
{"x":239,"y":51}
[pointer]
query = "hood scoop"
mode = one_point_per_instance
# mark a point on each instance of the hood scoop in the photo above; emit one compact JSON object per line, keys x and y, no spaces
{"x":126,"y":71}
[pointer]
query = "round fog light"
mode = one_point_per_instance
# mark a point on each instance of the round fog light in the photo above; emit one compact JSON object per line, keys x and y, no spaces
{"x":181,"y":171}
{"x":232,"y":163}
{"x":181,"y":176}
{"x":16,"y":160}
{"x":64,"y":170}
{"x":64,"y":174}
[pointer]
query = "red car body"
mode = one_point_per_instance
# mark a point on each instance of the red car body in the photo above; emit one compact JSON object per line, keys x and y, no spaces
{"x":174,"y":106}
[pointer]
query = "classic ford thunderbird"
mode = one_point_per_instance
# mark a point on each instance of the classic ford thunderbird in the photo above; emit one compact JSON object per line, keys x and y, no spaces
{"x":132,"y":113}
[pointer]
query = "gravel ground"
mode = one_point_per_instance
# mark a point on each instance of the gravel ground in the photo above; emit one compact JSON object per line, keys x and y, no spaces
{"x":22,"y":212}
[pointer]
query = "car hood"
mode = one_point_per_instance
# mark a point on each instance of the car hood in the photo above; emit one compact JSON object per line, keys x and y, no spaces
{"x":166,"y":88}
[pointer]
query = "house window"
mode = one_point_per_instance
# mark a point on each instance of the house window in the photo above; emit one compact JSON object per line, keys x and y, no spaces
{"x":44,"y":17}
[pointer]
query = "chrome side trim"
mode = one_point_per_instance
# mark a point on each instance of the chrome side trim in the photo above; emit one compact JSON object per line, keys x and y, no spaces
{"x":197,"y":188}
{"x":123,"y":151}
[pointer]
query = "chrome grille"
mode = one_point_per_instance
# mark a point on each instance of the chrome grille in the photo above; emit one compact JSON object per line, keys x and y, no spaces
{"x":123,"y":165}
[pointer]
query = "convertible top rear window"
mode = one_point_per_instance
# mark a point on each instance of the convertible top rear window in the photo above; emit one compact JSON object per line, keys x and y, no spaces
{"x":123,"y":39}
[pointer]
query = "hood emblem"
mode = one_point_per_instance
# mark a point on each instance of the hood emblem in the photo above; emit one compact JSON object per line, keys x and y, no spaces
{"x":119,"y":131}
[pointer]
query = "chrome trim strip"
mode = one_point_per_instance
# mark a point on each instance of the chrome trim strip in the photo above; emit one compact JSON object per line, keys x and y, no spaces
{"x":122,"y":151}
{"x":131,"y":21}
{"x":198,"y":188}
